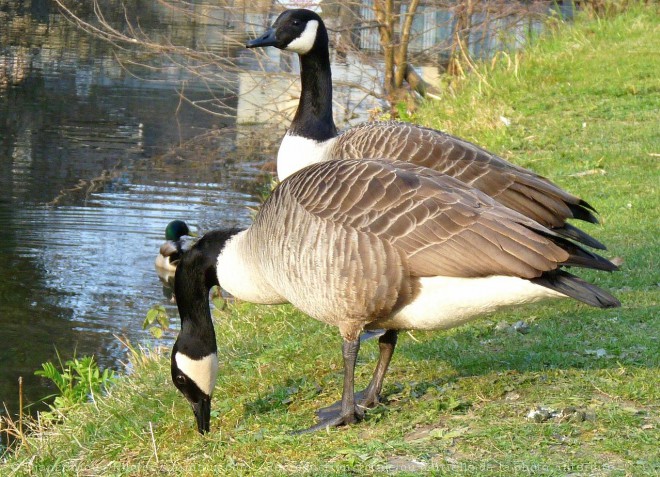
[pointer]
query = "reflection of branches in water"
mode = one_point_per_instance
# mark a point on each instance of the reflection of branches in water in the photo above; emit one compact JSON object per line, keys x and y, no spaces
{"x":210,"y":149}
{"x":86,"y":187}
{"x":211,"y":68}
{"x":443,"y":34}
{"x":247,"y":144}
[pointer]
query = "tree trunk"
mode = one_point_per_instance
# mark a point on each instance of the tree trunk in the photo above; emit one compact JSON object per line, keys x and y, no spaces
{"x":401,"y":58}
{"x":383,"y":10}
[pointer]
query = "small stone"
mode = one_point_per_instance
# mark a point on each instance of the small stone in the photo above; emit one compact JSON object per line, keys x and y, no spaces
{"x":521,"y":327}
{"x":541,"y":414}
{"x":598,"y":353}
{"x":571,"y":414}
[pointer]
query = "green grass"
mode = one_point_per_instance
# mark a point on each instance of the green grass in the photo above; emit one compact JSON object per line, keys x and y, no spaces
{"x":457,"y":400}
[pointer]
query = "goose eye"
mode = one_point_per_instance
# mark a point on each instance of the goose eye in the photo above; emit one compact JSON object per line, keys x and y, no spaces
{"x":296,"y":22}
{"x":180,"y":380}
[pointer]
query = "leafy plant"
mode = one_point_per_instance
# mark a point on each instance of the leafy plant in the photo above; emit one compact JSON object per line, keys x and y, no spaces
{"x":216,"y":298}
{"x":157,"y":321}
{"x":78,"y":380}
{"x":403,"y":110}
{"x":263,"y":192}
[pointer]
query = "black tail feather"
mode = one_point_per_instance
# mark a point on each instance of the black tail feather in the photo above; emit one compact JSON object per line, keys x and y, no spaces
{"x":585,"y":259}
{"x":575,"y":287}
{"x":579,"y":257}
{"x":572,"y":232}
{"x":582,"y":211}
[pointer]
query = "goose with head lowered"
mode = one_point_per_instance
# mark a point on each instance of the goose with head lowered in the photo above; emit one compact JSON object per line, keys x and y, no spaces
{"x":313,"y":137}
{"x":369,"y":244}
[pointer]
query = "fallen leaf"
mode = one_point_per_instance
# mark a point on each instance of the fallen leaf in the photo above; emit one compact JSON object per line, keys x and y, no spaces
{"x":405,"y":464}
{"x":618,"y":261}
{"x":589,"y":172}
{"x":447,"y":434}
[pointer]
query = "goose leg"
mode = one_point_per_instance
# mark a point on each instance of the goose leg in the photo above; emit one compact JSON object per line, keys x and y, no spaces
{"x":349,"y":412}
{"x":370,"y":396}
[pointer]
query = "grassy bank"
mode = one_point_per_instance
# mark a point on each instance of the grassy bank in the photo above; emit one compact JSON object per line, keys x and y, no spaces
{"x":582,"y":107}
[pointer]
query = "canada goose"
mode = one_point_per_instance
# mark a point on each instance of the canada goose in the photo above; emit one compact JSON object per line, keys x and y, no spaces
{"x":168,"y":255}
{"x":368,"y":244}
{"x":313,"y":137}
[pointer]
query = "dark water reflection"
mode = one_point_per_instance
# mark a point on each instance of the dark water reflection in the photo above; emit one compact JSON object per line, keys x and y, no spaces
{"x":88,"y":181}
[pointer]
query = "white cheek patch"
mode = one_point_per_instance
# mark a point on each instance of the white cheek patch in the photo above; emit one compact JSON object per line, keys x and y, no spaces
{"x":304,"y":42}
{"x":203,"y":371}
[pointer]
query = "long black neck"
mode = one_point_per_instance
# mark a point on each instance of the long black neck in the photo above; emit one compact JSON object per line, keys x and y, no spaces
{"x":195,"y":275}
{"x":313,"y":119}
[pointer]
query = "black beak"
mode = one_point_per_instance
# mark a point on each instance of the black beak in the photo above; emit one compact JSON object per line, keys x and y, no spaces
{"x":267,"y":39}
{"x":202,"y":410}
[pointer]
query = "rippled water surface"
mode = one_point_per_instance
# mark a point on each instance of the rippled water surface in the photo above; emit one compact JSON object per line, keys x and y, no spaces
{"x":94,"y":162}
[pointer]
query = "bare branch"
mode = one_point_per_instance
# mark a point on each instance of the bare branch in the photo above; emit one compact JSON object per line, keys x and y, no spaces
{"x":388,"y":58}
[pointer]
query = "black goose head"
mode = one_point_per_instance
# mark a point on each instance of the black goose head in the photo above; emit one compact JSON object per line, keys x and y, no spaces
{"x":194,"y":372}
{"x":194,"y":362}
{"x":300,"y":31}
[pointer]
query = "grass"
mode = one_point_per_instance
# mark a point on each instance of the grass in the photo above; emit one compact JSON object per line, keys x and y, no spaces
{"x":583,"y":107}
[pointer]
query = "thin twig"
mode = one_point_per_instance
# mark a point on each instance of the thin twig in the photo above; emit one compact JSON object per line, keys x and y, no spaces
{"x":153,"y":441}
{"x":20,"y":409}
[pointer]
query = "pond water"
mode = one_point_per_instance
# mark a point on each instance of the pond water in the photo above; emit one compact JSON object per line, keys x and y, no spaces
{"x":94,"y":162}
{"x":97,"y":158}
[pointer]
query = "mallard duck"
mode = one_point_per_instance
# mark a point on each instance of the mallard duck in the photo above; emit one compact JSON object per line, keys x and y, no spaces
{"x":168,"y":255}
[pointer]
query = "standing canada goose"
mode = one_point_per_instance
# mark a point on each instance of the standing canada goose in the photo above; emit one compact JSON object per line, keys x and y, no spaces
{"x":368,"y":244}
{"x":313,"y":138}
{"x":168,"y":255}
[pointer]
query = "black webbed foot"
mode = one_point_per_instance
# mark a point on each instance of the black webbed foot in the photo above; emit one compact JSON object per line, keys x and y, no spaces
{"x":352,"y":407}
{"x":363,"y":402}
{"x":332,"y":417}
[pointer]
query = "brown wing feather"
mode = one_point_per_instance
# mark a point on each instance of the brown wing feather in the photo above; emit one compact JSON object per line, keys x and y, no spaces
{"x":520,"y":189}
{"x":438,"y":224}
